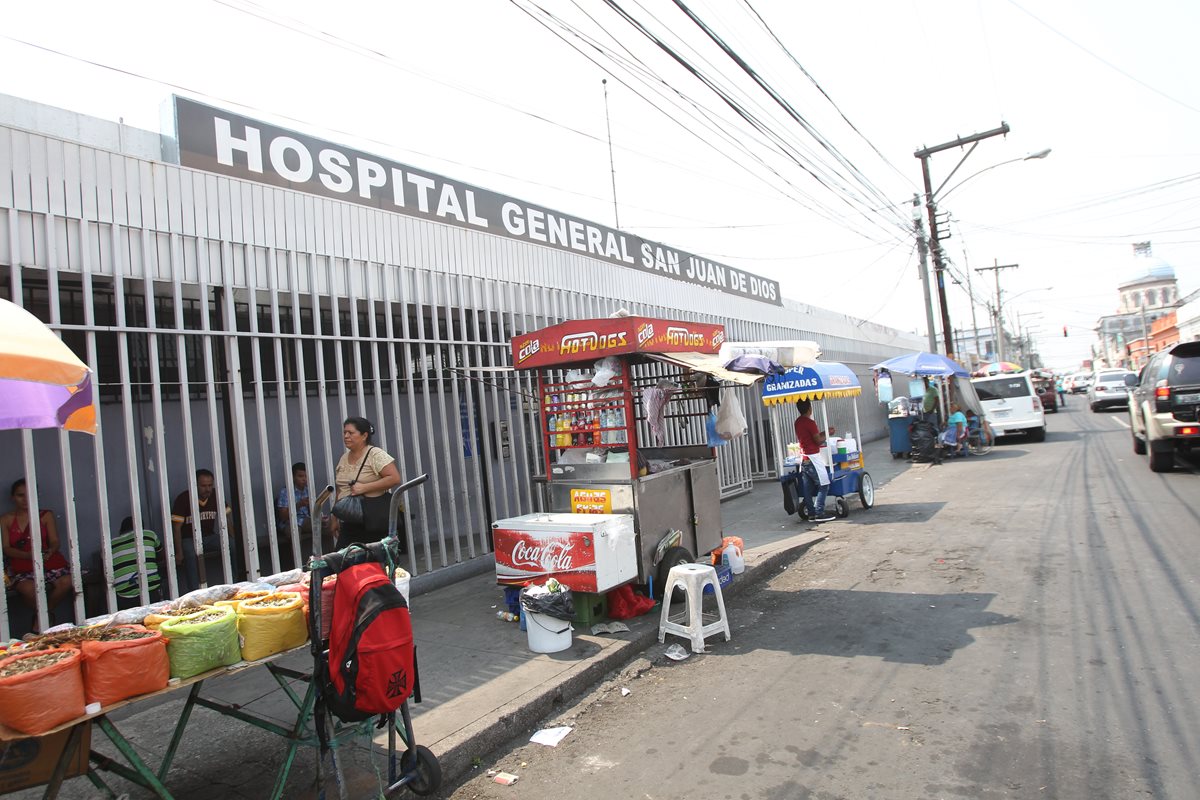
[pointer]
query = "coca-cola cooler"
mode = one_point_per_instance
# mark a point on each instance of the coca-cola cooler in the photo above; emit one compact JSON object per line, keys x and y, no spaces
{"x":584,"y":552}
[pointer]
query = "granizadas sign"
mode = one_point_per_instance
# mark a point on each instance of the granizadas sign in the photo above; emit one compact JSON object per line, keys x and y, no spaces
{"x":219,"y":141}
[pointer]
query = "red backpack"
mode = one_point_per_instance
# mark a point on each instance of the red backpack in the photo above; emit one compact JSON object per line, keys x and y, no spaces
{"x":370,"y":669}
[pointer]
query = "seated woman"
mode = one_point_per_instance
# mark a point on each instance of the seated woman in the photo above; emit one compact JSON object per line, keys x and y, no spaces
{"x":955,"y":436}
{"x":18,"y":553}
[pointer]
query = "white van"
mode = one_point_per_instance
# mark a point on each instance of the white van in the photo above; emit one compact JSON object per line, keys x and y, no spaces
{"x":1011,"y":405}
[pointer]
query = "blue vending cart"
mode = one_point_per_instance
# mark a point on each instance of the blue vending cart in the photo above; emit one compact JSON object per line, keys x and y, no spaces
{"x":817,"y":382}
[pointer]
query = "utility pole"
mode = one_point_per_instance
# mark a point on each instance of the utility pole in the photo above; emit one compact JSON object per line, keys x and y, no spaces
{"x":995,"y":268}
{"x":919,"y":229}
{"x":971,"y":297}
{"x":931,"y":210}
{"x":612,"y":167}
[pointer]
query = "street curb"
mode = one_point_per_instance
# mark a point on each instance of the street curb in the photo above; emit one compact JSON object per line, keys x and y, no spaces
{"x":521,"y":715}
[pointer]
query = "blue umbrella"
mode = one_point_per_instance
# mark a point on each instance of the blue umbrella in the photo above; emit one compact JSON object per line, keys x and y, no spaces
{"x":816,"y":382}
{"x":923,"y":365}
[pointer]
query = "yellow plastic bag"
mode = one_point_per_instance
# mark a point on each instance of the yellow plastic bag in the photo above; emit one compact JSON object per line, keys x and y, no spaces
{"x":271,"y":624}
{"x":202,"y":641}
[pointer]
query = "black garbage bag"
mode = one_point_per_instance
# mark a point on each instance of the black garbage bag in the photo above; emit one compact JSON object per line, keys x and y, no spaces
{"x":559,"y":605}
{"x":923,"y":436}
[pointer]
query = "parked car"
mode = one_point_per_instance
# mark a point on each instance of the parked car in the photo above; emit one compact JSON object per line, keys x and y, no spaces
{"x":1164,"y":410}
{"x":1111,"y":387}
{"x":1080,"y":382}
{"x":1045,"y":392}
{"x":1011,"y":405}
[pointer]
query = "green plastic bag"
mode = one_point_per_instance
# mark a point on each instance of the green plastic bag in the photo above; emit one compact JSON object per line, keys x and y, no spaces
{"x":197,"y":643}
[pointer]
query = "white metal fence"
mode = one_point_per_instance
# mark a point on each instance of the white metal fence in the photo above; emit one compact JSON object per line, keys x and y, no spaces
{"x":232,"y":327}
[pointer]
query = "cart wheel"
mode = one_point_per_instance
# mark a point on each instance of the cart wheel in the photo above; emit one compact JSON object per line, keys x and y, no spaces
{"x":672,"y":558}
{"x":866,"y":490}
{"x":421,"y":760}
{"x":842,"y":507}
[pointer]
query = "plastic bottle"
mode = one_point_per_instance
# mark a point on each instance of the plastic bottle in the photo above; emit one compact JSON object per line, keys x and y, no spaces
{"x":507,"y":616}
{"x":732,"y":557}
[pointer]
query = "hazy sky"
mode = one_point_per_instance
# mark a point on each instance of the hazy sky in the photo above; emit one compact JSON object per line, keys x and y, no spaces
{"x":485,"y":91}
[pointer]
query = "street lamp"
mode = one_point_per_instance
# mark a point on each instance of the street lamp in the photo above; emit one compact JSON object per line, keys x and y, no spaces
{"x":939,"y":195}
{"x":930,"y":208}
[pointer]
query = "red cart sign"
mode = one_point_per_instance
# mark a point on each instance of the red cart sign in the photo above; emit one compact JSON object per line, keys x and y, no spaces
{"x":569,"y":558}
{"x":591,"y":339}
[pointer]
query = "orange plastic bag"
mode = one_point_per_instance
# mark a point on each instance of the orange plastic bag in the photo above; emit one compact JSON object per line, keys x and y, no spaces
{"x":114,"y":671}
{"x":728,"y":540}
{"x":34,"y":702}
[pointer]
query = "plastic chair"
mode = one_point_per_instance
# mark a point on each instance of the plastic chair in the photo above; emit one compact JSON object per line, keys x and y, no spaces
{"x":692,"y":578}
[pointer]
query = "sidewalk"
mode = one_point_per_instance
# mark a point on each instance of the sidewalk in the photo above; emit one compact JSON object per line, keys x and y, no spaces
{"x":481,"y":684}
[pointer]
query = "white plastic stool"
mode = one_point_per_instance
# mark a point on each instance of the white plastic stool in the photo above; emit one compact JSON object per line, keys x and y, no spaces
{"x":692,"y":578}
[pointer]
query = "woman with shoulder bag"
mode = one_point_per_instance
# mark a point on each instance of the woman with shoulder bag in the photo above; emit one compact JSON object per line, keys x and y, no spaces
{"x":365,"y":472}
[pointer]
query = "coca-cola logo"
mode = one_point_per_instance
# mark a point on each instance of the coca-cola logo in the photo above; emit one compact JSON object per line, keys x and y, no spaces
{"x":549,"y":556}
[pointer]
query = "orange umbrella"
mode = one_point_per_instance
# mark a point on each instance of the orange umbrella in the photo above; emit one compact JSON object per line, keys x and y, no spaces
{"x":42,"y":383}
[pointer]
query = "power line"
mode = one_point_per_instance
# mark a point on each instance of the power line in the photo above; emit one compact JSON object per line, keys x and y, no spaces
{"x":1103,"y":61}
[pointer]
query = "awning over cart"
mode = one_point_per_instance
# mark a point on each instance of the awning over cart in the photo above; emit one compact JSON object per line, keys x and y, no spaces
{"x":822,"y":380}
{"x":709,"y":364}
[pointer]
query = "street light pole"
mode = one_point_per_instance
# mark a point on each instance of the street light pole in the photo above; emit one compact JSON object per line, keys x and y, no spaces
{"x":999,"y":322}
{"x":919,"y":229}
{"x":931,"y":210}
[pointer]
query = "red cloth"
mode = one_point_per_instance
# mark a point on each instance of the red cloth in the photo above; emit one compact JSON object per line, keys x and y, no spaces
{"x":806,"y":435}
{"x":21,"y":540}
{"x":624,"y":604}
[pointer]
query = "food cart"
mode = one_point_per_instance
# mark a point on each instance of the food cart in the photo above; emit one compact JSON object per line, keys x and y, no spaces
{"x":633,"y":444}
{"x":818,"y":382}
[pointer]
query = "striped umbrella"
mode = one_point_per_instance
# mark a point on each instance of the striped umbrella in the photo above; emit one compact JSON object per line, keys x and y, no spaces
{"x":42,"y":383}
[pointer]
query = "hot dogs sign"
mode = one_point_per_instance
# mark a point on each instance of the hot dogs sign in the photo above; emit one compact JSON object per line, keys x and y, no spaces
{"x":584,"y":340}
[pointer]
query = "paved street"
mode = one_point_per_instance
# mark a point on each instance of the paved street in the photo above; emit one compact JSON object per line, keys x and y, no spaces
{"x":1025,"y":624}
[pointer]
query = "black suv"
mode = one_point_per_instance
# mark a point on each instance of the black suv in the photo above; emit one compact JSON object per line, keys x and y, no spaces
{"x":1164,"y":409}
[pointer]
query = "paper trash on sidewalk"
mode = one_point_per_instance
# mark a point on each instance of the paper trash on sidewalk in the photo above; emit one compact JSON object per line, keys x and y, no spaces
{"x":624,"y":692}
{"x":609,"y":627}
{"x":676,"y":653}
{"x":550,"y":736}
{"x":504,"y":778}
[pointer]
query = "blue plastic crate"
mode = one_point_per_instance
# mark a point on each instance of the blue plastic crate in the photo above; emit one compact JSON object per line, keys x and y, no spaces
{"x":724,"y":577}
{"x":512,"y":598}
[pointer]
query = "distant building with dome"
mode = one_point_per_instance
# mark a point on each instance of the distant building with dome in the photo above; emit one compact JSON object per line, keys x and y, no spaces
{"x":1149,"y":293}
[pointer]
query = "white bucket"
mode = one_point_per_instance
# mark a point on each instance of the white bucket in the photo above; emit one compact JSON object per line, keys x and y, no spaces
{"x":547,"y":634}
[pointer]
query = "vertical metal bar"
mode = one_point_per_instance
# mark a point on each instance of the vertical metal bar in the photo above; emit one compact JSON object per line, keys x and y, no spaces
{"x":474,"y":498}
{"x":373,"y":343}
{"x":335,"y":307}
{"x":240,"y":439}
{"x":327,"y":449}
{"x":434,"y":466}
{"x":401,"y":455}
{"x":520,"y":418}
{"x":318,"y":527}
{"x":160,"y":427}
{"x":356,"y":345}
{"x":260,"y":414}
{"x":214,"y":417}
{"x":178,"y":274}
{"x":98,"y":449}
{"x":132,"y":461}
{"x":442,"y":356}
{"x":497,"y":357}
{"x":406,"y":292}
{"x":41,"y":606}
{"x":64,"y":442}
{"x":285,"y":429}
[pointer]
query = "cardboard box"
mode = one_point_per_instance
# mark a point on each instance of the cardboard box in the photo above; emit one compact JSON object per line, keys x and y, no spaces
{"x":31,"y":762}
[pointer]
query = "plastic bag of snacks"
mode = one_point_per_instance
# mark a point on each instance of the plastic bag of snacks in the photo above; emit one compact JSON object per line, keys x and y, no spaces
{"x":41,"y":689}
{"x":202,"y":641}
{"x":271,"y":624}
{"x":155,"y":619}
{"x":123,"y":661}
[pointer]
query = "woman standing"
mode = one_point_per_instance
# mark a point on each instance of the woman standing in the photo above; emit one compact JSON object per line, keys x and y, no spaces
{"x":18,"y":553}
{"x":365,"y":471}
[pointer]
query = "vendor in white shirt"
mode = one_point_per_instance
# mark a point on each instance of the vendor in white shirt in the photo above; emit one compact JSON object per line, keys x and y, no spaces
{"x":814,"y":472}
